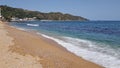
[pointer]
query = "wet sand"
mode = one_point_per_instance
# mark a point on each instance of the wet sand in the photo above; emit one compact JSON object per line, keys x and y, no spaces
{"x":44,"y":52}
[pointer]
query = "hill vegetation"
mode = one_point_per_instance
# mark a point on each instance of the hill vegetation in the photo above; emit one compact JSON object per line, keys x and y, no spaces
{"x":9,"y":12}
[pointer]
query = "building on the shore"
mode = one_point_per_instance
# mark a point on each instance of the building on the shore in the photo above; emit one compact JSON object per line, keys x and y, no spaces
{"x":1,"y":17}
{"x":24,"y":19}
{"x":15,"y":19}
{"x":0,"y":14}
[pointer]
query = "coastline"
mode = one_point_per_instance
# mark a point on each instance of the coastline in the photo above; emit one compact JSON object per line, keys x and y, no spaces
{"x":50,"y":54}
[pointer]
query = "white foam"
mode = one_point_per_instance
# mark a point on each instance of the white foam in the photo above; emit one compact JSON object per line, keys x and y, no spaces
{"x":32,"y":24}
{"x":102,"y":59}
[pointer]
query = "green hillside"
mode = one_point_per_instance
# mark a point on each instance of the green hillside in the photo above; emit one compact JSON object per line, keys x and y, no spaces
{"x":9,"y":12}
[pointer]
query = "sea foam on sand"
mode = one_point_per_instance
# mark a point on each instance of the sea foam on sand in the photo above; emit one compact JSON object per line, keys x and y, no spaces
{"x":103,"y":59}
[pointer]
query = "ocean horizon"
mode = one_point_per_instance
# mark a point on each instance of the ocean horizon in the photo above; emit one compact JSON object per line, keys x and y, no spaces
{"x":96,"y":41}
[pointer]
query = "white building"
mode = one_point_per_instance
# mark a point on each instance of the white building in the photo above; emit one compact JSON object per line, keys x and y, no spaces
{"x":1,"y":17}
{"x":0,"y":14}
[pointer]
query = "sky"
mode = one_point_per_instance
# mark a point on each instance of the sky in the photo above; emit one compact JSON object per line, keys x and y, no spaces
{"x":91,"y":9}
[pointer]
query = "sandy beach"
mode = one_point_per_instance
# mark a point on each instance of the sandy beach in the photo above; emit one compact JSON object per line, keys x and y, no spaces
{"x":20,"y":49}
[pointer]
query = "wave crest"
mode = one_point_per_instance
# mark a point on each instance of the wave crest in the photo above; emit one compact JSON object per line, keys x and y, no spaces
{"x":32,"y":24}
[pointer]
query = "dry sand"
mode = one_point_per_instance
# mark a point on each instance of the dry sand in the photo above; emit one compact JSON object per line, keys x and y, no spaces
{"x":20,"y":49}
{"x":14,"y":60}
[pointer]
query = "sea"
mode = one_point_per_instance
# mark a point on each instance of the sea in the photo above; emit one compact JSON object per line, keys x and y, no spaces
{"x":95,"y":41}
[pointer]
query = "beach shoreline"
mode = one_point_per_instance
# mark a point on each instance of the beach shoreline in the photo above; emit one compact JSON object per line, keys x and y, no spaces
{"x":49,"y":53}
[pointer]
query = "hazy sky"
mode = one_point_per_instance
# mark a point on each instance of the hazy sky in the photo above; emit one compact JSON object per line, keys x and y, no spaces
{"x":91,"y":9}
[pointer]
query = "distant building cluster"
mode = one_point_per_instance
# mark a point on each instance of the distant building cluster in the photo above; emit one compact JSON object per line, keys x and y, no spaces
{"x":24,"y":19}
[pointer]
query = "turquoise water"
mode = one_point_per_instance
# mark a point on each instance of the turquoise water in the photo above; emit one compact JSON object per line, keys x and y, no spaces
{"x":87,"y":39}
